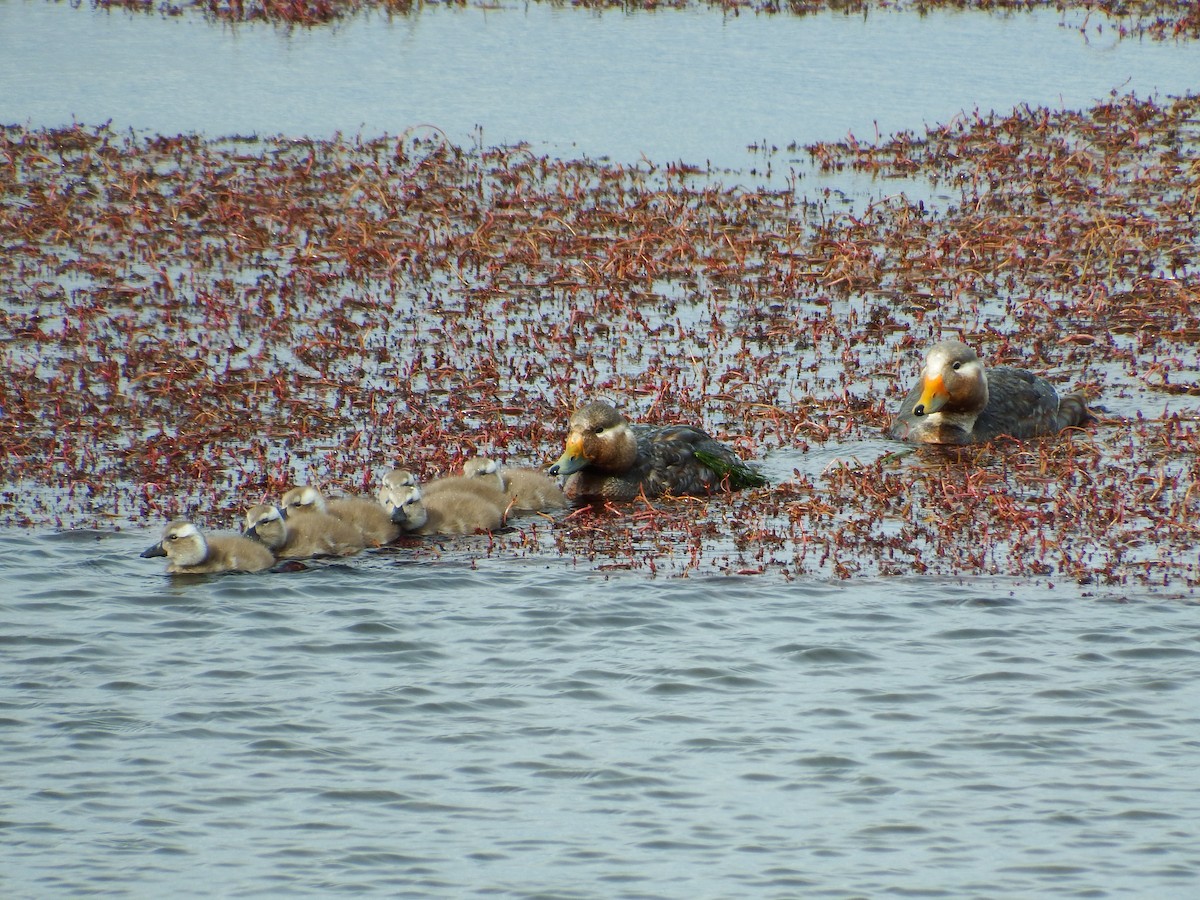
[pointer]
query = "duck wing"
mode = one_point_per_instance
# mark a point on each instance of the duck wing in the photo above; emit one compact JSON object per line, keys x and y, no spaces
{"x":1020,"y":405}
{"x":681,"y":459}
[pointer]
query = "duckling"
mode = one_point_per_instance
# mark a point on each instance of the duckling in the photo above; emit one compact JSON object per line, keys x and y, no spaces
{"x":527,"y":490}
{"x":405,"y":508}
{"x":449,"y":511}
{"x":371,"y":519}
{"x":607,"y":458}
{"x":302,"y":536}
{"x":457,"y":507}
{"x":488,"y":490}
{"x":395,"y":483}
{"x":398,"y":494}
{"x":190,"y":552}
{"x":958,"y":402}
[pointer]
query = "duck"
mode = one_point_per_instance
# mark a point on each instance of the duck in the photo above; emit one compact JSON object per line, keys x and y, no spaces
{"x":396,"y":482}
{"x":958,"y":402}
{"x":456,"y":508}
{"x":488,"y":490}
{"x":302,"y":536}
{"x":368,"y":516}
{"x":526,"y":490}
{"x":398,"y":492}
{"x":190,"y":552}
{"x":607,"y":458}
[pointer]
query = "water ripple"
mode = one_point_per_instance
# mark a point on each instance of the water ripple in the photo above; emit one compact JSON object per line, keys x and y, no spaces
{"x":368,"y":731}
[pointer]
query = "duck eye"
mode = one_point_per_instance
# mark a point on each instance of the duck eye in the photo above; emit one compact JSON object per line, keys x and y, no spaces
{"x":957,"y":366}
{"x":599,"y":429}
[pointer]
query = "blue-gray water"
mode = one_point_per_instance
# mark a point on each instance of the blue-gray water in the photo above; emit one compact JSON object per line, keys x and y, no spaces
{"x":694,"y":86}
{"x":479,"y":724}
{"x":537,"y":730}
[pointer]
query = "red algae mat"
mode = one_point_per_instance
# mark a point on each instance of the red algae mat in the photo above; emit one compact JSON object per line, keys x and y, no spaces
{"x":1158,"y":19}
{"x":192,"y":324}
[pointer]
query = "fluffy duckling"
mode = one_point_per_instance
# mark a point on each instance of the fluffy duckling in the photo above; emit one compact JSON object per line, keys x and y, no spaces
{"x":302,"y":536}
{"x":958,"y":402}
{"x":396,"y":483}
{"x":607,"y":458}
{"x":190,"y":552}
{"x":455,"y":508}
{"x":450,"y":511}
{"x":400,"y":496}
{"x":527,"y":490}
{"x":488,"y":490}
{"x":371,"y":519}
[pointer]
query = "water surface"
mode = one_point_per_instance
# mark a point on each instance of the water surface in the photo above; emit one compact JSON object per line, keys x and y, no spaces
{"x":475,"y":723}
{"x":539,"y":730}
{"x":675,"y":85}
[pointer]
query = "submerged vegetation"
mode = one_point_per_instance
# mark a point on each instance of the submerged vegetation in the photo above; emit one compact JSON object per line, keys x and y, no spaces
{"x":192,"y":325}
{"x":1158,"y":19}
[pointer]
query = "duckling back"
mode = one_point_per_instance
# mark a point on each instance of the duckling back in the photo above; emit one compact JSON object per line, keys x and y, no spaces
{"x":371,"y":520}
{"x":303,"y":535}
{"x":368,"y":516}
{"x":455,"y":511}
{"x":486,"y":489}
{"x":527,"y":490}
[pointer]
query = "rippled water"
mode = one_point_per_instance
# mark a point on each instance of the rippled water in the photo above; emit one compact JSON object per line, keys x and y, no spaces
{"x":478,"y":724}
{"x":539,"y":730}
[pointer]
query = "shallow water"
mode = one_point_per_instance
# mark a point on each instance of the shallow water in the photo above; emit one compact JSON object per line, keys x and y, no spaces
{"x":534,"y":729}
{"x":692,"y":85}
{"x":534,"y":724}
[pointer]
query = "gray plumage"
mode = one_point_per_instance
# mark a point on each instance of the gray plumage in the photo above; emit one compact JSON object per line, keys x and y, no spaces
{"x":957,"y":402}
{"x":608,"y":458}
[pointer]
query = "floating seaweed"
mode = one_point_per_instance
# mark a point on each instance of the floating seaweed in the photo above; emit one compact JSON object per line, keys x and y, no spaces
{"x":193,"y":325}
{"x":1157,"y":19}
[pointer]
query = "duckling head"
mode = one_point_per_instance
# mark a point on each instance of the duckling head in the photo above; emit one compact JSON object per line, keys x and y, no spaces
{"x":597,"y":436}
{"x":396,"y":479}
{"x":409,"y":511}
{"x":953,"y":381}
{"x":484,"y":468}
{"x":395,"y":488}
{"x":182,"y":543}
{"x":265,"y":523}
{"x":302,"y":498}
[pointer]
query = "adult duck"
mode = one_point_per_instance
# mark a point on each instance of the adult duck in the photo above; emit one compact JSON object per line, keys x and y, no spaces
{"x":607,"y":458}
{"x":958,"y":402}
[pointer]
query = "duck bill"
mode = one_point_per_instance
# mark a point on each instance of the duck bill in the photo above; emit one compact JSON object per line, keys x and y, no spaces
{"x":156,"y":550}
{"x":572,"y":460}
{"x":933,"y":396}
